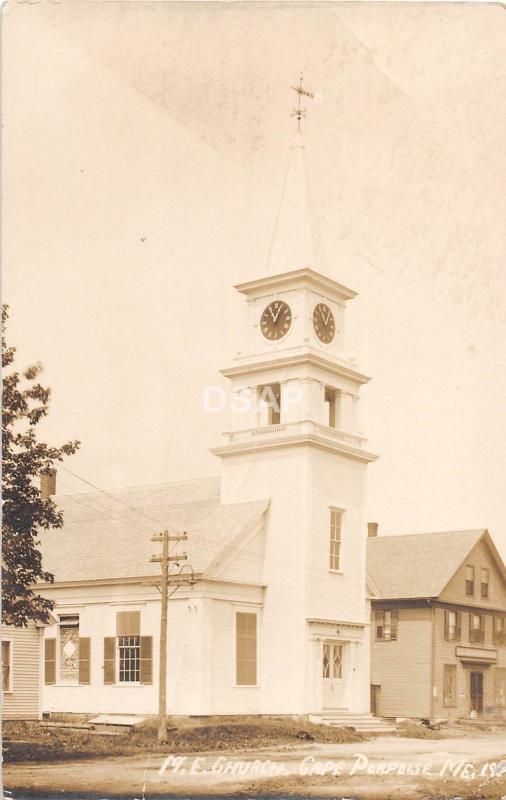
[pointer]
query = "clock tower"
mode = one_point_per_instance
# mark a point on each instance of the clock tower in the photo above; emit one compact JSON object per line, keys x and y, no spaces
{"x":294,"y":438}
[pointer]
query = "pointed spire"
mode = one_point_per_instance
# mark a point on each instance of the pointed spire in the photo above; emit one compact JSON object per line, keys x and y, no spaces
{"x":292,"y":241}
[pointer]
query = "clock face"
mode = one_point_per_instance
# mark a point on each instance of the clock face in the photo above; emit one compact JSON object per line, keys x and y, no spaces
{"x":323,"y":323}
{"x":276,"y":320}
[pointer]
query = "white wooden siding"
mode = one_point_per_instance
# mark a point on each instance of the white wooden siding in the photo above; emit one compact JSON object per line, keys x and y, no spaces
{"x":23,"y":702}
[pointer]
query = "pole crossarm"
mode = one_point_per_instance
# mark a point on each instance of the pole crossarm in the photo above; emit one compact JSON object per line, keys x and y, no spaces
{"x":180,"y":537}
{"x":161,"y":559}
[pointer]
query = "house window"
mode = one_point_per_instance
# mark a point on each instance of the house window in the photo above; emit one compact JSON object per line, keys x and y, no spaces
{"x":128,"y":630}
{"x":469,"y":580}
{"x":500,"y":686}
{"x":484,"y":582}
{"x":331,"y":407}
{"x":335,"y":539}
{"x":246,"y":649}
{"x":452,"y":626}
{"x":69,"y":647}
{"x":449,"y":684}
{"x":7,"y":666}
{"x":477,"y":628}
{"x":499,"y":631}
{"x":386,"y":624}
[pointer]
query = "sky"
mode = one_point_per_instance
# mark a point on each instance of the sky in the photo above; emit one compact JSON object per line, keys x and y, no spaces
{"x":145,"y":146}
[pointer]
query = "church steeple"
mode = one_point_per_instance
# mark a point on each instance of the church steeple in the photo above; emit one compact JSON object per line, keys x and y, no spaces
{"x":292,"y":245}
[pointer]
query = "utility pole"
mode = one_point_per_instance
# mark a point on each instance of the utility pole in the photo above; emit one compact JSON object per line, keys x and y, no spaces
{"x":164,"y":561}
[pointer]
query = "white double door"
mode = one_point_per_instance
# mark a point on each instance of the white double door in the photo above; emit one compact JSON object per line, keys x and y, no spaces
{"x":333,"y":677}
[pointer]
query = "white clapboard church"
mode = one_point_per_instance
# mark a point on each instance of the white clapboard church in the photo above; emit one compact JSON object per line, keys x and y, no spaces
{"x":278,"y":619}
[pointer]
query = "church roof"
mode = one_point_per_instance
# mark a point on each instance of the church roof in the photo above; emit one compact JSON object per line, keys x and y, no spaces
{"x":418,"y":565}
{"x":109,"y":535}
{"x":292,"y":244}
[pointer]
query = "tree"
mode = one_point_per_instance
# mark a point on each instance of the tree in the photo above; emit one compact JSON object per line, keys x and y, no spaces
{"x":25,"y":512}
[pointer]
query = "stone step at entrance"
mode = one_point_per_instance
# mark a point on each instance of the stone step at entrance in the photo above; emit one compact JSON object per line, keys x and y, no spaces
{"x":365,"y":723}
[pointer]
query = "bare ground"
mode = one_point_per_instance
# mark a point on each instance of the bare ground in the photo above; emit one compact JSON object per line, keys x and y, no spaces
{"x":296,"y":769}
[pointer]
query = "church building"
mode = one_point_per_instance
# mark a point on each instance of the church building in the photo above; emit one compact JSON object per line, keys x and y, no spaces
{"x":276,"y":619}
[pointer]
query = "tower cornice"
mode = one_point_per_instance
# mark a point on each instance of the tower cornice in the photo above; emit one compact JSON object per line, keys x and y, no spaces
{"x":304,"y":278}
{"x":284,"y":359}
{"x":321,"y":441}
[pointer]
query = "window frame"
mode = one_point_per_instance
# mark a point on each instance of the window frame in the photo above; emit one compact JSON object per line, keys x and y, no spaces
{"x":499,"y":637}
{"x":457,"y":633}
{"x":128,"y":626}
{"x":473,"y":630}
{"x":393,"y":624}
{"x":484,"y":584}
{"x":470,"y":581}
{"x":8,"y":640}
{"x":59,"y":680}
{"x":121,"y":648}
{"x":335,"y":541}
{"x":237,"y":684}
{"x":500,"y":671}
{"x":453,"y":669}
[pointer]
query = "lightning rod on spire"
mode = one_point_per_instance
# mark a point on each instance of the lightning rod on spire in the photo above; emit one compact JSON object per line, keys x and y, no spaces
{"x":300,"y":112}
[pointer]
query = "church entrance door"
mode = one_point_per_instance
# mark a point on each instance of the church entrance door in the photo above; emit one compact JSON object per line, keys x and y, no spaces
{"x":333,"y":674}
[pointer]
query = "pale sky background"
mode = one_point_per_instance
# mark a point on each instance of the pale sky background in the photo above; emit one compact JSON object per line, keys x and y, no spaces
{"x":145,"y":149}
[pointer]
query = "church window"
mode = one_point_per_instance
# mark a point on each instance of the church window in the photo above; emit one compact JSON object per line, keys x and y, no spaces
{"x":69,"y":647}
{"x":128,"y":656}
{"x":484,"y":582}
{"x":449,"y":684}
{"x":331,"y":407}
{"x":128,"y":629}
{"x":335,"y":539}
{"x":246,"y":649}
{"x":469,"y":580}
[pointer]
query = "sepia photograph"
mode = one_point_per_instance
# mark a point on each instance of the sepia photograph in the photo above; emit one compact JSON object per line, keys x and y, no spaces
{"x":254,"y":400}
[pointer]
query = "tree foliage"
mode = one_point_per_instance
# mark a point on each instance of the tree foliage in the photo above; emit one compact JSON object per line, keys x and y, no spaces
{"x":25,"y":512}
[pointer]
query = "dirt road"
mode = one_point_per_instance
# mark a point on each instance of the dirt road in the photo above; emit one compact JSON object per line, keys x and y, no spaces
{"x":389,"y":766}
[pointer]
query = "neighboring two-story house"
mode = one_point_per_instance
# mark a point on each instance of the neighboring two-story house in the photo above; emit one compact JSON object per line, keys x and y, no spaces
{"x":438,"y":626}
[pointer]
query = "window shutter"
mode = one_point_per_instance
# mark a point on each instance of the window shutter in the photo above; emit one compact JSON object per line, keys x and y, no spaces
{"x":458,"y":626}
{"x":84,"y":659}
{"x":395,"y":620}
{"x":146,"y":665}
{"x":128,"y":623}
{"x":482,"y":628}
{"x":471,"y":632}
{"x":447,"y":626}
{"x":50,"y":661}
{"x":109,"y":660}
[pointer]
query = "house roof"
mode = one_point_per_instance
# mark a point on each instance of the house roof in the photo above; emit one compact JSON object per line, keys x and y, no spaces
{"x":418,"y":565}
{"x":109,"y":535}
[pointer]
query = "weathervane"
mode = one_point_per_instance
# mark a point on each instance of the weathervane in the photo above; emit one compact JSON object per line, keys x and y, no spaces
{"x":300,"y":112}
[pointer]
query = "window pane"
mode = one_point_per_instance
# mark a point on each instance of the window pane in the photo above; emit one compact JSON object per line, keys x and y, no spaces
{"x":129,"y":659}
